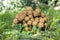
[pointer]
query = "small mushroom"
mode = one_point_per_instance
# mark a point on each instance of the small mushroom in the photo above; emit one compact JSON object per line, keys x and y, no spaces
{"x":30,"y":16}
{"x":26,"y":18}
{"x":38,"y":10}
{"x":40,"y":25}
{"x":26,"y":28}
{"x":25,"y":24}
{"x":42,"y":15}
{"x":32,"y":19}
{"x":29,"y":12}
{"x":34,"y":23}
{"x":37,"y":19}
{"x":35,"y":14}
{"x":29,"y":22}
{"x":20,"y":17}
{"x":45,"y":19}
{"x":46,"y":24}
{"x":15,"y":21}
{"x":41,"y":20}
{"x":29,"y":8}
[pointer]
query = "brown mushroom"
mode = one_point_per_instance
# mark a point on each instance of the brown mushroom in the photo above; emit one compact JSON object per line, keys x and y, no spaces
{"x":32,"y":19}
{"x":38,"y":10}
{"x":15,"y":21}
{"x":40,"y":25}
{"x":29,"y":22}
{"x":35,"y":14}
{"x":45,"y":19}
{"x":37,"y":19}
{"x":26,"y":18}
{"x":46,"y":24}
{"x":42,"y":15}
{"x":25,"y":25}
{"x":41,"y":20}
{"x":29,"y":12}
{"x":26,"y":28}
{"x":29,"y":8}
{"x":20,"y":17}
{"x":34,"y":23}
{"x":30,"y":16}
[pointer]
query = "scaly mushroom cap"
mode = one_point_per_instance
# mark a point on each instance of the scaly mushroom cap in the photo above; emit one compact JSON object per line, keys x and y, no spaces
{"x":35,"y":14}
{"x":34,"y":23}
{"x":38,"y":10}
{"x":29,"y":22}
{"x":36,"y":19}
{"x":41,"y":20}
{"x":40,"y":25}
{"x":42,"y":15}
{"x":29,"y":8}
{"x":29,"y":12}
{"x":15,"y":21}
{"x":26,"y":18}
{"x":30,"y":16}
{"x":32,"y":19}
{"x":20,"y":17}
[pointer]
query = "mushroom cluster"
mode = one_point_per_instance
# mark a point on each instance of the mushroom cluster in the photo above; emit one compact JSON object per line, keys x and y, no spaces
{"x":30,"y":17}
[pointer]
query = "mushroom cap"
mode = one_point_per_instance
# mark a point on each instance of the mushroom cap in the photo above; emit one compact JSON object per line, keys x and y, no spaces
{"x":40,"y":25}
{"x":32,"y":19}
{"x":45,"y":19}
{"x":29,"y":22}
{"x":46,"y":24}
{"x":15,"y":21}
{"x":30,"y":16}
{"x":41,"y":20}
{"x":38,"y":10}
{"x":36,"y":19}
{"x":29,"y":12}
{"x":42,"y":15}
{"x":20,"y":17}
{"x":29,"y":8}
{"x":24,"y":12}
{"x":35,"y":14}
{"x":25,"y":24}
{"x":26,"y":28}
{"x":26,"y":18}
{"x":34,"y":23}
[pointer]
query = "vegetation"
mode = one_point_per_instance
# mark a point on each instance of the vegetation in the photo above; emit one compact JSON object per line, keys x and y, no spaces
{"x":50,"y":33}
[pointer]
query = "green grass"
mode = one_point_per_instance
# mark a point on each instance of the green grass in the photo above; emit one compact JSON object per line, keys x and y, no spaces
{"x":52,"y":33}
